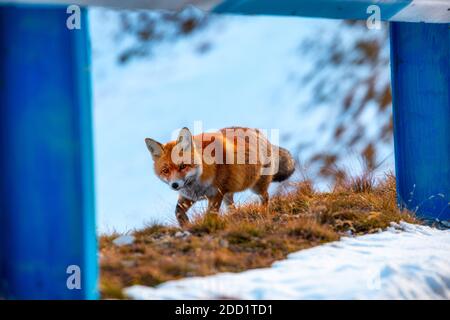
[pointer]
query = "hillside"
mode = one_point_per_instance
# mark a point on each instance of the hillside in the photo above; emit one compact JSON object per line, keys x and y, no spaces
{"x":249,"y":236}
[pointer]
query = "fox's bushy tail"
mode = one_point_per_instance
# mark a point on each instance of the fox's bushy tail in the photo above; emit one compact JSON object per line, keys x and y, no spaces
{"x":286,"y":166}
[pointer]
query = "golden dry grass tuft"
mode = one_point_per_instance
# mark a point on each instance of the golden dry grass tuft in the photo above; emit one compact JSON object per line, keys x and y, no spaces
{"x":249,"y":236}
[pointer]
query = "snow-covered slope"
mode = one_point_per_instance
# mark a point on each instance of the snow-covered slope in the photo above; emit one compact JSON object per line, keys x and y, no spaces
{"x":404,"y":262}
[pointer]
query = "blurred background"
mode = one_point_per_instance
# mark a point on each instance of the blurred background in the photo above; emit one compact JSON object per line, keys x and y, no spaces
{"x":323,"y":83}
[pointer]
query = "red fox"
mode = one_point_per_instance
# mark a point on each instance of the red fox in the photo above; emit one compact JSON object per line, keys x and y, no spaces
{"x":214,"y":166}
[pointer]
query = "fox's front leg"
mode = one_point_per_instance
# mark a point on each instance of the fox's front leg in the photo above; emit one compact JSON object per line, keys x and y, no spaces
{"x":214,"y":203}
{"x":183,"y":206}
{"x":229,"y":201}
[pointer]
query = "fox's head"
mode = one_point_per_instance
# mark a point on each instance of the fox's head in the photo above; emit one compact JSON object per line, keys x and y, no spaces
{"x":176,"y":162}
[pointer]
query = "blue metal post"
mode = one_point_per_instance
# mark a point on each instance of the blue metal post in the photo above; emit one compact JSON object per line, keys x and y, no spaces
{"x":420,"y":59}
{"x":47,"y":218}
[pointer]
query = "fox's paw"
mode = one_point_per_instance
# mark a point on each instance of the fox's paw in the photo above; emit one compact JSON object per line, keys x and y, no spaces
{"x":182,"y":218}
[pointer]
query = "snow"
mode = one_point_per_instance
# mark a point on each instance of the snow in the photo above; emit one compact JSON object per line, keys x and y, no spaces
{"x":182,"y":234}
{"x":405,"y":261}
{"x":123,"y":240}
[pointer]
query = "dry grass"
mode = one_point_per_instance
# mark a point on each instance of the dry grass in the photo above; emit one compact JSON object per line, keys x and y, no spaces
{"x":249,"y":236}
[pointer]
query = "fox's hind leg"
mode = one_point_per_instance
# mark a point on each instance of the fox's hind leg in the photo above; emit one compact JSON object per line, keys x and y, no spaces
{"x":229,"y":201}
{"x":261,"y":188}
{"x":183,"y":206}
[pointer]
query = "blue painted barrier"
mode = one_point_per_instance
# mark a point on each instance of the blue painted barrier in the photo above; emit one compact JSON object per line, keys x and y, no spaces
{"x":420,"y":60}
{"x":47,"y":218}
{"x":336,"y":9}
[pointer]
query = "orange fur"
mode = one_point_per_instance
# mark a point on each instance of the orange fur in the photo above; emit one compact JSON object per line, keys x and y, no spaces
{"x":217,"y":165}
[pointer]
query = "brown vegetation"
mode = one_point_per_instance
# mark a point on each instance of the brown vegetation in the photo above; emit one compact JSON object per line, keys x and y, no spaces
{"x":249,"y":236}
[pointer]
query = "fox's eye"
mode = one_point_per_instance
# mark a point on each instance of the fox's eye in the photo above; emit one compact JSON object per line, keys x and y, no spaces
{"x":182,"y":166}
{"x":165,"y":171}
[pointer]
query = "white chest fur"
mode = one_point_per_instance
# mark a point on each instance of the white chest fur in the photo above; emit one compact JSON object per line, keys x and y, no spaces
{"x":198,"y":191}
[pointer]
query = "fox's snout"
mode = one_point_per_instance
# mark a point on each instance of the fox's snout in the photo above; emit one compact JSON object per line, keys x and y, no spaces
{"x":178,"y":178}
{"x":177,"y":183}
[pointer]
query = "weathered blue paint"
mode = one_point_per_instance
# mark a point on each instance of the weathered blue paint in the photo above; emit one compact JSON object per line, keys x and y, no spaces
{"x":46,"y":160}
{"x":420,"y":60}
{"x":337,"y":9}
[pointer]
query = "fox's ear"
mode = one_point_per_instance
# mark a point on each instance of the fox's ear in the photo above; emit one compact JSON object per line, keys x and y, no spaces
{"x":154,"y":147}
{"x":185,"y":139}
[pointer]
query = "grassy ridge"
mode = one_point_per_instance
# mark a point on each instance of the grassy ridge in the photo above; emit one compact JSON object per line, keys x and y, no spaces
{"x":249,"y":236}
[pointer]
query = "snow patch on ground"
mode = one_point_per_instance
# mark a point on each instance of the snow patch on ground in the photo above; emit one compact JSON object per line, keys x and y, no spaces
{"x":123,"y":240}
{"x":405,"y":261}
